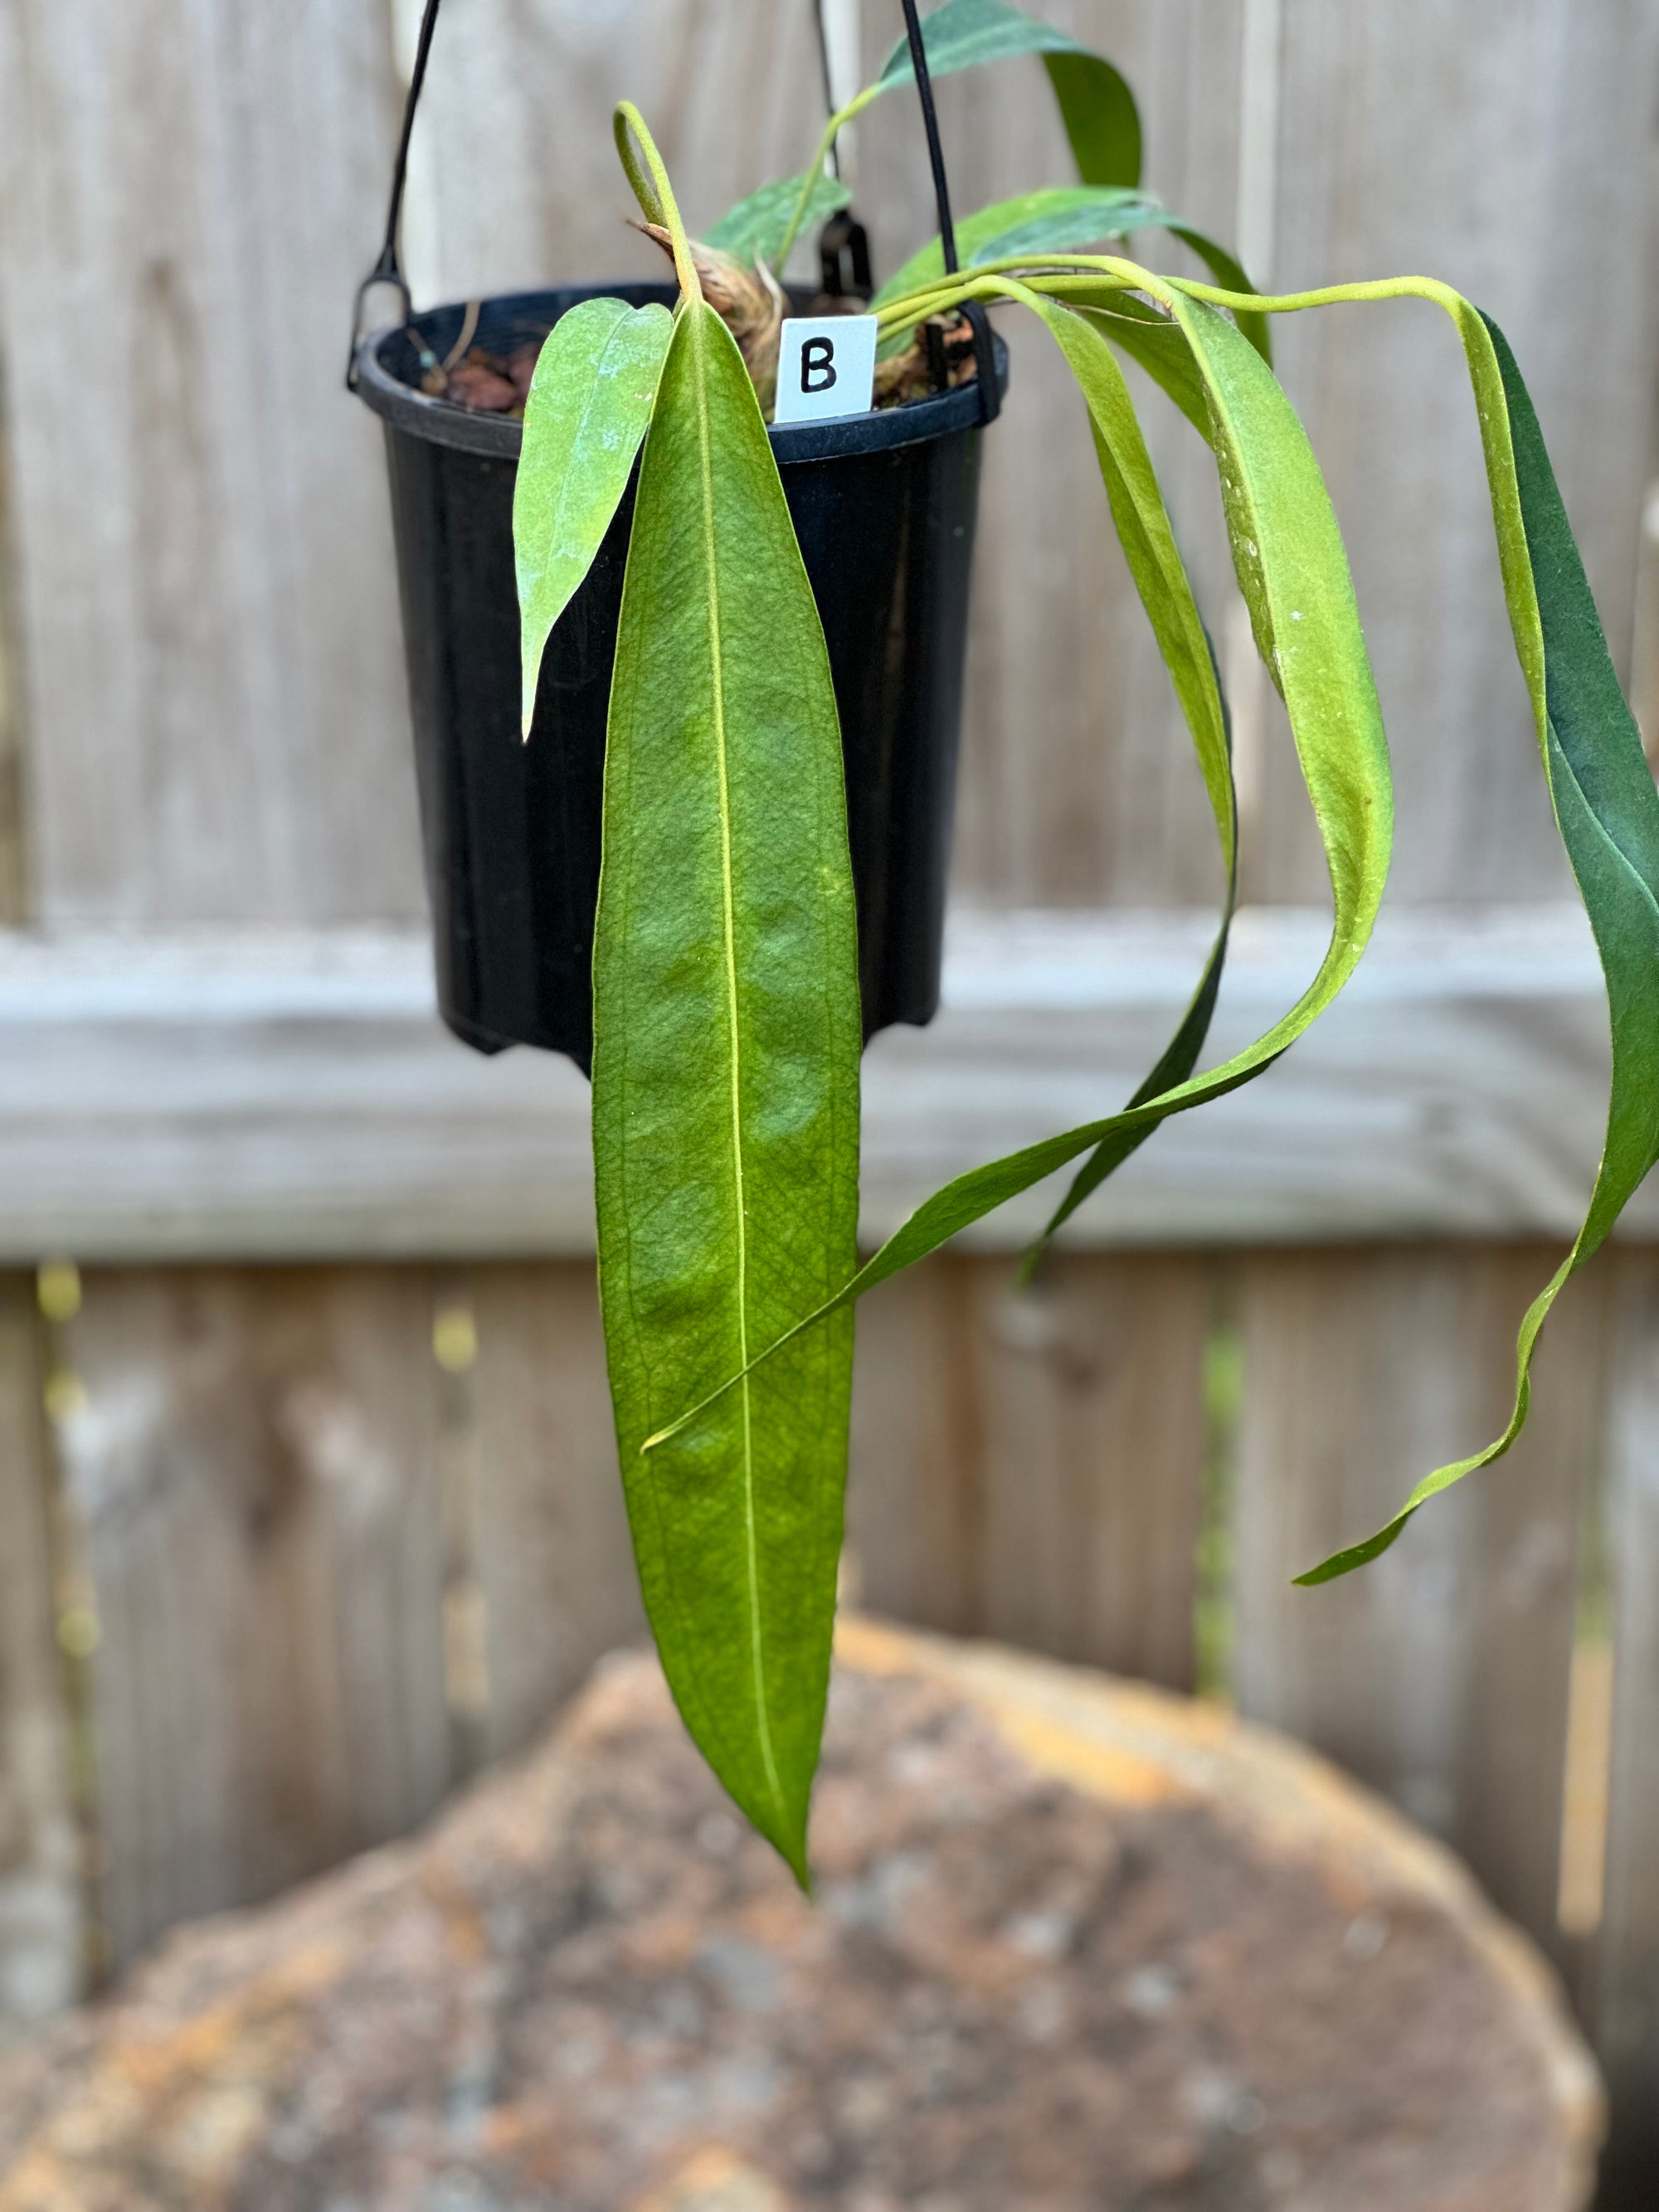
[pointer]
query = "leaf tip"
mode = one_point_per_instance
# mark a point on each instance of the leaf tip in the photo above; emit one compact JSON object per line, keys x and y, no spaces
{"x":1356,"y":1555}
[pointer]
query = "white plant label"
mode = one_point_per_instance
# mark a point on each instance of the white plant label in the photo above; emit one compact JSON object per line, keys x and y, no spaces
{"x":826,"y":368}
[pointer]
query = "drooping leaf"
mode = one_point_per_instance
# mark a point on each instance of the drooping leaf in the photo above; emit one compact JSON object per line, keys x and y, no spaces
{"x":1289,"y":556}
{"x":590,"y":401}
{"x":1096,"y":105}
{"x":1099,"y":113}
{"x":756,"y":229}
{"x":1607,"y":810}
{"x":1160,"y":576}
{"x":1229,"y":274}
{"x":1061,"y":219}
{"x":1151,"y":337}
{"x":726,"y":1082}
{"x":1065,"y":220}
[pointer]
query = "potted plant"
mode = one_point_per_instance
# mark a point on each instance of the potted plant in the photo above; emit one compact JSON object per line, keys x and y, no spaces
{"x":731,"y":929}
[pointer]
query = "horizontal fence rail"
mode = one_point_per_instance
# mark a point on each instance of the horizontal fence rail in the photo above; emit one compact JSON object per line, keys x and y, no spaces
{"x":291,"y":1094}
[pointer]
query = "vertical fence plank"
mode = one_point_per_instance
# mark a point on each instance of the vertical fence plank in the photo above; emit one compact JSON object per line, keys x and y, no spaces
{"x":252,"y":1463}
{"x":550,"y":1547}
{"x":915,"y":1504}
{"x":1028,"y":1464}
{"x":1439,"y":1673}
{"x":1093,"y":1434}
{"x":1626,"y":1972}
{"x":14,"y":827}
{"x":188,"y":197}
{"x":40,"y":1934}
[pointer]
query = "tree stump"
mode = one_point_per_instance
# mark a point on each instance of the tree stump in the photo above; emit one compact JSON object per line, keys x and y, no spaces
{"x":1076,"y":1944}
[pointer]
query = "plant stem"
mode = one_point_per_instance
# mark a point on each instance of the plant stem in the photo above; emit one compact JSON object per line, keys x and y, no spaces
{"x":654,"y":191}
{"x":826,"y":146}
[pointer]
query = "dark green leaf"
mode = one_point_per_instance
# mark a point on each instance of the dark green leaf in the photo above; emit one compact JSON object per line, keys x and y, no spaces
{"x":1101,"y":119}
{"x":590,"y":401}
{"x":1607,"y":812}
{"x":754,"y":229}
{"x":726,"y":1082}
{"x":1064,"y":220}
{"x":1097,"y":106}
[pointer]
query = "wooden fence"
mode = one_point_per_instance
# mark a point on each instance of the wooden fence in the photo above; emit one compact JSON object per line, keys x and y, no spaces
{"x":307,"y":1498}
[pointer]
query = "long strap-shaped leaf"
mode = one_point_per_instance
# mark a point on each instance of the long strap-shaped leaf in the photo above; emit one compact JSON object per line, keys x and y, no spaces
{"x":1160,"y":577}
{"x":1600,"y":787}
{"x":1291,"y":566}
{"x":726,"y":1080}
{"x":1607,"y":810}
{"x":1143,"y":528}
{"x":1061,"y":219}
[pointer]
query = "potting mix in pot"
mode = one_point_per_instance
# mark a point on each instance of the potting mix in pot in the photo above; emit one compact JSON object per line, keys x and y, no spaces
{"x":717,"y":863}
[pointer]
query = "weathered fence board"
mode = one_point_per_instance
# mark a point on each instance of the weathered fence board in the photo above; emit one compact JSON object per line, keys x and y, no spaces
{"x":551,"y":1552}
{"x":1440,"y":1674}
{"x":1627,"y":1993}
{"x":40,"y":1852}
{"x":515,"y":180}
{"x":1027,"y":1464}
{"x":251,"y":1463}
{"x":215,"y":707}
{"x":1510,"y":150}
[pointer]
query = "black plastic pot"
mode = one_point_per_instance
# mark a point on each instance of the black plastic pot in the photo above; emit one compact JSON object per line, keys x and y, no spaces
{"x":884,"y":505}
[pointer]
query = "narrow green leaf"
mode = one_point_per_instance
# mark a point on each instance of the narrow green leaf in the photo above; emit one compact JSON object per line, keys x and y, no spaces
{"x":1144,"y":530}
{"x":1061,"y":219}
{"x":1607,"y":812}
{"x":1151,"y":338}
{"x":590,"y":401}
{"x":726,"y":1082}
{"x":1290,"y":558}
{"x":756,"y":229}
{"x":1600,"y":787}
{"x":1228,"y":273}
{"x":1064,"y":220}
{"x":1099,"y":113}
{"x":1096,"y":104}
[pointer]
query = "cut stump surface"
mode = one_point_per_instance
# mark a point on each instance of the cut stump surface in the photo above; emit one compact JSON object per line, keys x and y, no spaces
{"x":1078,"y":1944}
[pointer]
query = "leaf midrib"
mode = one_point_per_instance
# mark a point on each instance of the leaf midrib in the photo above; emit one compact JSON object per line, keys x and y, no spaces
{"x":718,"y":673}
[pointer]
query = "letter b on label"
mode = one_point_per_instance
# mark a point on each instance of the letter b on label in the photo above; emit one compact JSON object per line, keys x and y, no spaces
{"x":826,"y":368}
{"x":818,"y":365}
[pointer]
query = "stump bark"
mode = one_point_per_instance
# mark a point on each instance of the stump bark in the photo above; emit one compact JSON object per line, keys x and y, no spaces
{"x":1076,"y":1944}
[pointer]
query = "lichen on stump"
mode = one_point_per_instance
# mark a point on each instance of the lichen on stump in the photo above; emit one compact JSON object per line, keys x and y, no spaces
{"x":1076,"y":1944}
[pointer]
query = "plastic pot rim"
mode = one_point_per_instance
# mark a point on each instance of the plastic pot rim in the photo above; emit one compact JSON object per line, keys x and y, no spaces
{"x":473,"y":430}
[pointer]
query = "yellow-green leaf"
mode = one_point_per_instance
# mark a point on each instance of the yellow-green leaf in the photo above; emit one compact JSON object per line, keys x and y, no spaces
{"x":590,"y":401}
